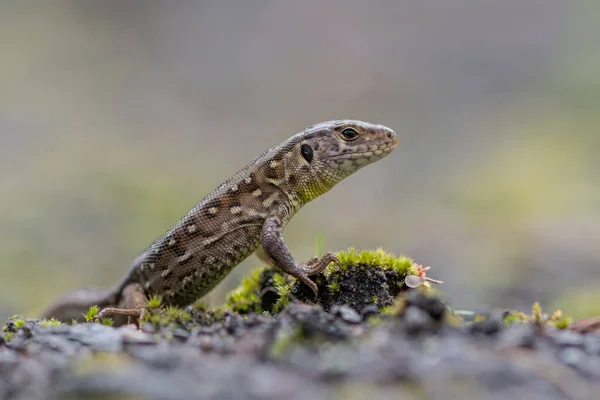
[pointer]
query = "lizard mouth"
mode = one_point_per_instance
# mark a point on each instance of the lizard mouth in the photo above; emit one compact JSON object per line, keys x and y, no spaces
{"x":380,"y":151}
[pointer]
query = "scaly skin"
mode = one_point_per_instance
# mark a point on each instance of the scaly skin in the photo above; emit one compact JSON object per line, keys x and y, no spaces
{"x":248,"y":210}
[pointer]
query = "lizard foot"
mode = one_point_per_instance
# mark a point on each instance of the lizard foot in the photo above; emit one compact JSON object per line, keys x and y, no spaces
{"x":133,"y":305}
{"x":314,"y":266}
{"x":138,"y":314}
{"x":317,"y":265}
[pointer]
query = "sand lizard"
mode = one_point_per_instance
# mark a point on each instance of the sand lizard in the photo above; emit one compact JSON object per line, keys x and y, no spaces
{"x":247,"y":211}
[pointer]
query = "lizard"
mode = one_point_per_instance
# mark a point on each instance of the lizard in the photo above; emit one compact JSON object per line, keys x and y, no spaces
{"x":245,"y":214}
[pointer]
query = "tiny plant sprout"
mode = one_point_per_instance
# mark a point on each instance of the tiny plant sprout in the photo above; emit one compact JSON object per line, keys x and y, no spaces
{"x":413,"y":281}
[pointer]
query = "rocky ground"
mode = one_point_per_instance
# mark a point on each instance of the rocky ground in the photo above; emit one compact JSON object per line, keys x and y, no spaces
{"x":366,"y":336}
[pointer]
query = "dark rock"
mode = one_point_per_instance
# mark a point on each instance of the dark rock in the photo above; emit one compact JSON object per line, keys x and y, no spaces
{"x":369,"y":311}
{"x":489,"y":326}
{"x":592,"y":344}
{"x":572,"y":356}
{"x":315,"y":322}
{"x":577,"y":359}
{"x":96,"y":336}
{"x":346,"y":313}
{"x":417,"y":320}
{"x":518,"y":335}
{"x":566,"y":338}
{"x":432,"y":305}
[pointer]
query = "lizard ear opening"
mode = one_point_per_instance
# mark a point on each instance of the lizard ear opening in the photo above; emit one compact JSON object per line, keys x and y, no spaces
{"x":307,"y":152}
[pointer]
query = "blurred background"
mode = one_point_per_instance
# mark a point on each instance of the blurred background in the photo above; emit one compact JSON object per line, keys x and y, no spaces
{"x":117,"y":117}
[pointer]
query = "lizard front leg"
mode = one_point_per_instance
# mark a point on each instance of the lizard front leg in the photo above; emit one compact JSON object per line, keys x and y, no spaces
{"x":280,"y":257}
{"x":134,"y":304}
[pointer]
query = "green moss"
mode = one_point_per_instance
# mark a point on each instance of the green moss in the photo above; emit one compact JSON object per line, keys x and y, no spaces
{"x":107,"y":321}
{"x":334,"y":287}
{"x":8,"y":336}
{"x":538,"y":317}
{"x":386,"y":310}
{"x":374,"y":258}
{"x":396,"y":308}
{"x":246,"y":297}
{"x":284,"y":296}
{"x":91,"y":313}
{"x":154,"y":301}
{"x":218,"y":313}
{"x":154,"y":319}
{"x":19,"y":323}
{"x":167,"y":316}
{"x":200,"y":305}
{"x":50,"y":322}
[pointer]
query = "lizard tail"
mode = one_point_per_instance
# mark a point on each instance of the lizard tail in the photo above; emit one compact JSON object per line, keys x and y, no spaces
{"x":74,"y":305}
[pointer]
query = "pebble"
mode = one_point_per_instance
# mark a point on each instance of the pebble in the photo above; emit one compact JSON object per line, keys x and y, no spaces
{"x":566,"y":338}
{"x":346,"y":314}
{"x":592,"y":344}
{"x":572,"y":356}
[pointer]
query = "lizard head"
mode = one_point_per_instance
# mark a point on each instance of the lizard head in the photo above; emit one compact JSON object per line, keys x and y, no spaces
{"x":328,"y":152}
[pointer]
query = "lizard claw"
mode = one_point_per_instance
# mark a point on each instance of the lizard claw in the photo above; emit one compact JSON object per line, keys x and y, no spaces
{"x":315,"y":266}
{"x":312,"y":285}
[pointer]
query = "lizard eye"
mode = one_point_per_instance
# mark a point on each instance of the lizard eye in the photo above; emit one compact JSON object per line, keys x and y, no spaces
{"x":349,"y":134}
{"x":307,"y":152}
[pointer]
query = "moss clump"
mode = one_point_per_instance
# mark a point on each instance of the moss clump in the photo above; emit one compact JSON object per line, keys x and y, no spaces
{"x":375,"y":258}
{"x":246,"y":297}
{"x":359,"y":279}
{"x":334,"y":286}
{"x":91,"y":313}
{"x":168,"y":316}
{"x":264,"y":290}
{"x":283,"y":287}
{"x":154,"y":301}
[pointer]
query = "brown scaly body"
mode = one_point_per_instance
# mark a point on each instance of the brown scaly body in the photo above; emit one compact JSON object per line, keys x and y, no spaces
{"x":248,"y":210}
